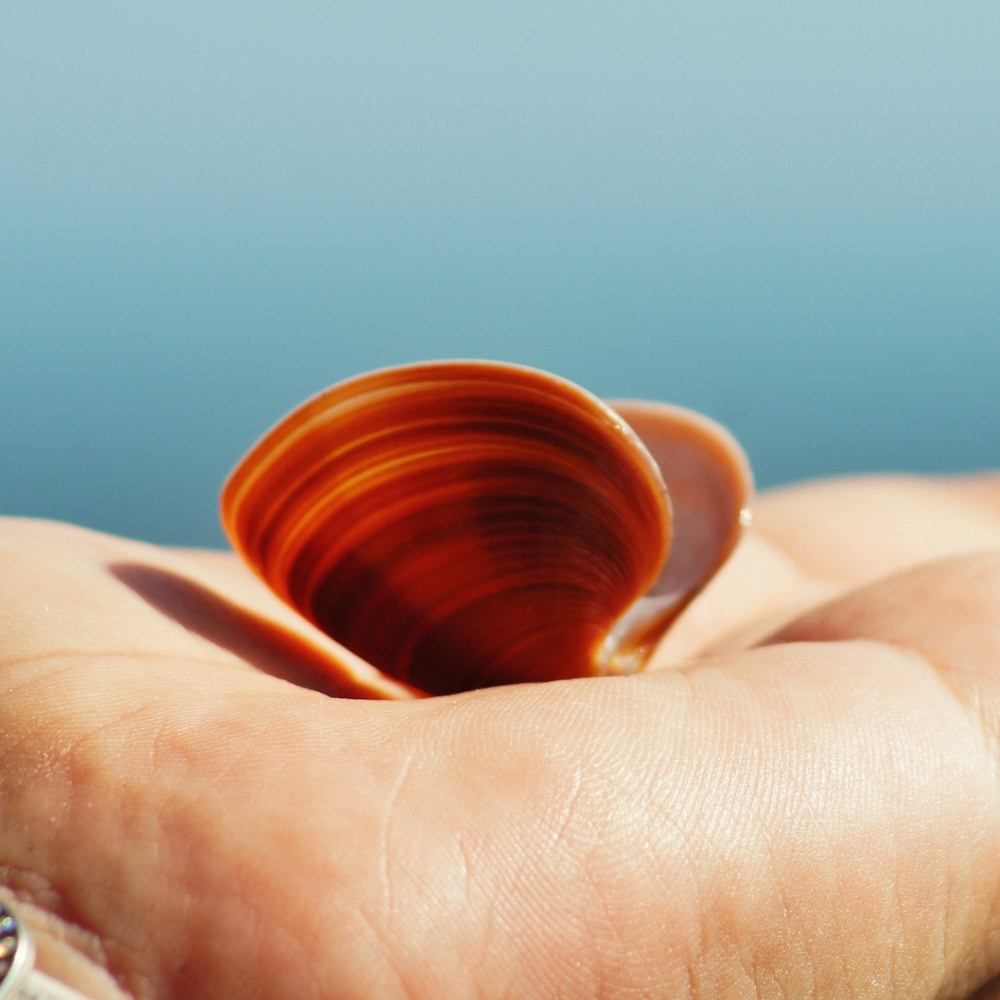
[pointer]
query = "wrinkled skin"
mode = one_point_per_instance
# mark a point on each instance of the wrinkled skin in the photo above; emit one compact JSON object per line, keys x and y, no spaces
{"x":801,"y":800}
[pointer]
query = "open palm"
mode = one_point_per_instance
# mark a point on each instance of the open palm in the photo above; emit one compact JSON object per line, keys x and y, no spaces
{"x":801,"y":799}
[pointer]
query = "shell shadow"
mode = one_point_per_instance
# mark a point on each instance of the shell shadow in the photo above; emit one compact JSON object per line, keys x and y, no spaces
{"x":264,"y":644}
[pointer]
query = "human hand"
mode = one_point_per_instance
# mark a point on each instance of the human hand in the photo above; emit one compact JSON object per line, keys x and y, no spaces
{"x":188,"y":813}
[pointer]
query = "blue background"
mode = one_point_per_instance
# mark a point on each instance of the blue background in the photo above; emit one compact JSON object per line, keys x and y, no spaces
{"x":786,"y":215}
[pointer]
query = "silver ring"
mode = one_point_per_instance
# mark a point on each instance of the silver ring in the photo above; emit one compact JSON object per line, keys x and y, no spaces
{"x":19,"y":979}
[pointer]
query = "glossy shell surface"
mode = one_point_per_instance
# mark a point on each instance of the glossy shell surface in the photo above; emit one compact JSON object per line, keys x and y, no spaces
{"x":466,"y":524}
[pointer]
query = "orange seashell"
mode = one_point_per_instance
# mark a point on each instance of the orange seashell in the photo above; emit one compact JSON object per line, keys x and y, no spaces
{"x":465,"y":524}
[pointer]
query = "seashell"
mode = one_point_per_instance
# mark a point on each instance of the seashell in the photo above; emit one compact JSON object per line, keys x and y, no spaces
{"x":467,"y":524}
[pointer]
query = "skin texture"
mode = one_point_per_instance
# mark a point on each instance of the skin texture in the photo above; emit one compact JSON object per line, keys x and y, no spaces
{"x":801,"y":799}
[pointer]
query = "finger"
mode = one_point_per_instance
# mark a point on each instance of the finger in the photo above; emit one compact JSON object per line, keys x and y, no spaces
{"x":859,"y":529}
{"x":813,"y":541}
{"x":947,"y":613}
{"x":757,"y":590}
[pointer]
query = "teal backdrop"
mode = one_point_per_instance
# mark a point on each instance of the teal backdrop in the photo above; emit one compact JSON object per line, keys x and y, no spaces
{"x":785,"y":215}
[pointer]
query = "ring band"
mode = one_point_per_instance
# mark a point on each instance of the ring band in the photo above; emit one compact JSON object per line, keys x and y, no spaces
{"x":19,"y":979}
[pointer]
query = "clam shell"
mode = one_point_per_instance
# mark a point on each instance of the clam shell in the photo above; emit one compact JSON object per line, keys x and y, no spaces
{"x":467,"y":524}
